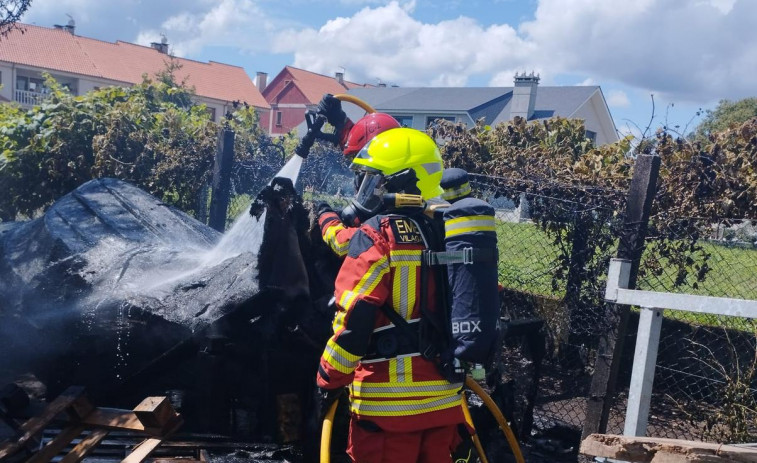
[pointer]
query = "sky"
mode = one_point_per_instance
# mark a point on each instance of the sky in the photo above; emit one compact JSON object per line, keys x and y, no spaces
{"x":658,"y":62}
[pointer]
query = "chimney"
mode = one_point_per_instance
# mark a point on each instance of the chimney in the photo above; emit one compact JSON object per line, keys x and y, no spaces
{"x":339,"y":77}
{"x":524,"y":95}
{"x":70,"y":27}
{"x":162,"y":46}
{"x":261,"y":80}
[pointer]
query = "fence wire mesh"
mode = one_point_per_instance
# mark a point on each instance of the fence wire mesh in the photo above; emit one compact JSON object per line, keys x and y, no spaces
{"x":705,"y":382}
{"x":553,"y":270}
{"x":324,"y":175}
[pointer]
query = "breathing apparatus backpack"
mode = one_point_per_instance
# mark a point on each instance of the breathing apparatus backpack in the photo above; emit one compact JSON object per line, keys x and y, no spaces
{"x":470,"y":255}
{"x":462,"y":245}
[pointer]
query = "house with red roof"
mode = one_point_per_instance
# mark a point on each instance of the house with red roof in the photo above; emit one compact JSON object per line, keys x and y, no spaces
{"x":83,"y":64}
{"x":293,"y":91}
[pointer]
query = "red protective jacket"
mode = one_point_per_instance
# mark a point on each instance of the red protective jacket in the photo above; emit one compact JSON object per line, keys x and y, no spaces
{"x":400,"y":393}
{"x":336,"y":235}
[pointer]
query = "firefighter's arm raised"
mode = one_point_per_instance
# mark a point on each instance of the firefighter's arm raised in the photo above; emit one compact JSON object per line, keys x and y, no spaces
{"x":362,"y":286}
{"x":334,"y":233}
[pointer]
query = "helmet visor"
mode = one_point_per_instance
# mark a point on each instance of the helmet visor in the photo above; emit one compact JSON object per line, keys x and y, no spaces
{"x":371,"y":192}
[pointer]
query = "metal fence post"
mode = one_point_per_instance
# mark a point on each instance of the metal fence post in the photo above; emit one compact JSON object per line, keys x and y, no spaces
{"x":221,"y":189}
{"x":642,"y":377}
{"x":640,"y":197}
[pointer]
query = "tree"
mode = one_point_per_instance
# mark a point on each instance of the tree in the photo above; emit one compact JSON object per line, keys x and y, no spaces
{"x":726,"y":115}
{"x":10,"y":12}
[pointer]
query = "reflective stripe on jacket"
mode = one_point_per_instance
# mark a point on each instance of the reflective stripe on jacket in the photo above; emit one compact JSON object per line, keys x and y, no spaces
{"x":334,"y":233}
{"x":403,"y":393}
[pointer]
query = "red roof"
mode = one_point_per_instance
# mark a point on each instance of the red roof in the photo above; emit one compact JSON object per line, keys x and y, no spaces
{"x":311,"y":84}
{"x":58,"y":50}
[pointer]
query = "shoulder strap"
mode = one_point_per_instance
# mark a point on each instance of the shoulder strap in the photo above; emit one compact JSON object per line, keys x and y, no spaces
{"x":432,"y":230}
{"x":465,"y":256}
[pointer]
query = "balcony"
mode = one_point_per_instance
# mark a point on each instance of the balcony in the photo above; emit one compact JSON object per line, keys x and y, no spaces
{"x":28,"y":98}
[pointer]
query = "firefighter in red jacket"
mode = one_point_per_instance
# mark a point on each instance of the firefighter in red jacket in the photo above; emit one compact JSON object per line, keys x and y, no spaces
{"x":402,"y":408}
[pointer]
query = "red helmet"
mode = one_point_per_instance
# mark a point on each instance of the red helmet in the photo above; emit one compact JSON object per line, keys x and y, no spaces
{"x":365,"y":129}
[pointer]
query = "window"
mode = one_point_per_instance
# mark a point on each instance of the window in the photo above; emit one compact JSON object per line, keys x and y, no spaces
{"x":211,"y":113}
{"x":405,"y":121}
{"x":22,"y":83}
{"x":431,"y":119}
{"x":591,"y":135}
{"x":30,"y":84}
{"x":278,"y":118}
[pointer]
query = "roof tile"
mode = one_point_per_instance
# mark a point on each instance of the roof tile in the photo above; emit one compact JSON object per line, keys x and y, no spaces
{"x":314,"y":85}
{"x":58,"y":50}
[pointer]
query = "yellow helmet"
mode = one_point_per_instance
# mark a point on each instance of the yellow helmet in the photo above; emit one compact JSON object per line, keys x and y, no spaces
{"x":404,"y":149}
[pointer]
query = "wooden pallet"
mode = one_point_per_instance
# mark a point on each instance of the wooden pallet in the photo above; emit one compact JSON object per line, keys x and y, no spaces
{"x":154,"y":419}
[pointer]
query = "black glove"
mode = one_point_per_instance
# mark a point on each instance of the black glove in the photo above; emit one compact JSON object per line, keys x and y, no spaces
{"x":332,"y":109}
{"x":280,"y":192}
{"x":326,"y":397}
{"x":322,"y":208}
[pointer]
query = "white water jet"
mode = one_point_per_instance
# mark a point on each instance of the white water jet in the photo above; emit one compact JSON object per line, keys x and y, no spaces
{"x":291,"y":169}
{"x":244,"y":236}
{"x":246,"y":233}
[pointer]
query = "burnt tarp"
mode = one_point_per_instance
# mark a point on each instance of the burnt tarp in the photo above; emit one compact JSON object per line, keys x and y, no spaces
{"x":114,"y":290}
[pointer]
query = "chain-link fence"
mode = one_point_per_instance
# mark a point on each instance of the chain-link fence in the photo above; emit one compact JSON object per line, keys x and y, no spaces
{"x":705,"y":381}
{"x":553,"y":263}
{"x":324,"y":175}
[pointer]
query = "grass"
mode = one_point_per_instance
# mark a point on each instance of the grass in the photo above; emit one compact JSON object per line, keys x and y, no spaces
{"x":527,"y":256}
{"x":733,"y":274}
{"x":526,"y":259}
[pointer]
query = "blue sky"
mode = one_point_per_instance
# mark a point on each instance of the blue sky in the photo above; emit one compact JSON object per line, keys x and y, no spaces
{"x":689,"y":54}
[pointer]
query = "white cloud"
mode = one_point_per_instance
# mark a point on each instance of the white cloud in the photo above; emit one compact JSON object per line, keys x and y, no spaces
{"x":389,"y":44}
{"x":724,"y":6}
{"x":236,"y":23}
{"x":618,"y":99}
{"x":689,"y":50}
{"x":189,"y":25}
{"x":586,"y":82}
{"x":682,"y":50}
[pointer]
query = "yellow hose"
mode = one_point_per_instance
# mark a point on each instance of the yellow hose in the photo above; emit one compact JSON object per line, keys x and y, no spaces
{"x":355,"y":100}
{"x":473,"y":386}
{"x":328,"y":424}
{"x":474,"y":435}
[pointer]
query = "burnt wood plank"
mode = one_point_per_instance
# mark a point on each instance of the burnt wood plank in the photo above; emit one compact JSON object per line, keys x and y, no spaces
{"x":147,"y":446}
{"x":85,"y":446}
{"x":143,"y":450}
{"x":113,"y":418}
{"x":35,"y":425}
{"x":57,"y":444}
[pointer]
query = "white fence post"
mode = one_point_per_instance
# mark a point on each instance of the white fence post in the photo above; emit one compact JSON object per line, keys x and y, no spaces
{"x":642,"y":377}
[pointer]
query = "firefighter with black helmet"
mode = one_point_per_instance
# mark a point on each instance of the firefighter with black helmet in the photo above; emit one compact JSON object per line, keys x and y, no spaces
{"x":402,"y":408}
